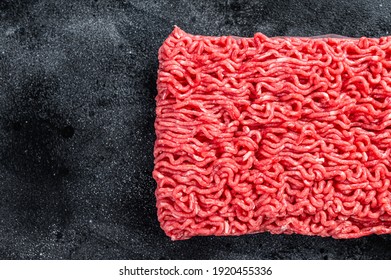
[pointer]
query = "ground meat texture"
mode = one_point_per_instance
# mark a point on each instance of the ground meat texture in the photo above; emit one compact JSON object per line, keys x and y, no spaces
{"x":284,"y":135}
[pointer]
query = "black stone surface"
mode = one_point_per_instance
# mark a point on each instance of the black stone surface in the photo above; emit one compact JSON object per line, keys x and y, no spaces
{"x":77,"y":88}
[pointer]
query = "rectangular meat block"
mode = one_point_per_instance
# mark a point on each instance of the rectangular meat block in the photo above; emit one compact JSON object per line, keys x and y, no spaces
{"x":284,"y":135}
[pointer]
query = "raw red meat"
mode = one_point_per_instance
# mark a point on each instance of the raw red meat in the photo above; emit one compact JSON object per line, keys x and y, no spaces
{"x":285,"y":135}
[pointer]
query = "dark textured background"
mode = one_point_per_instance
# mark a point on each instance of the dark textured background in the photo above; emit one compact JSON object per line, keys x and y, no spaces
{"x":77,"y":88}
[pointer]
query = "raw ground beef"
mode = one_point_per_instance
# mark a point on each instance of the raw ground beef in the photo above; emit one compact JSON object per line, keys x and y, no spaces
{"x":285,"y":135}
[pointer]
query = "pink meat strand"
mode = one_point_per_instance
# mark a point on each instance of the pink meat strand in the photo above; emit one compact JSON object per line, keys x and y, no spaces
{"x":284,"y":135}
